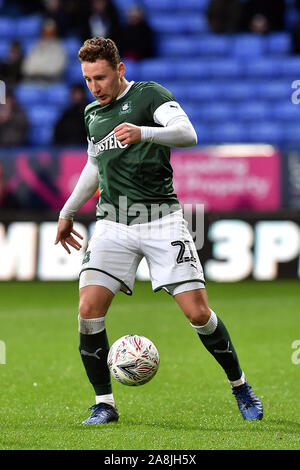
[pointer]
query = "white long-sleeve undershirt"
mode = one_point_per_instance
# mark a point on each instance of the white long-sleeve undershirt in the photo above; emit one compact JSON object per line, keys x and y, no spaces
{"x":85,"y":188}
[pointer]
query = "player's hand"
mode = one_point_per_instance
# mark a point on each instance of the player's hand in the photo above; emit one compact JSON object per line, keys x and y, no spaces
{"x":65,"y":237}
{"x":128,"y":133}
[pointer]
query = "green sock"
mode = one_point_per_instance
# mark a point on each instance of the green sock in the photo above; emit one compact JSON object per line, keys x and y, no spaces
{"x":216,"y":339}
{"x":93,"y":350}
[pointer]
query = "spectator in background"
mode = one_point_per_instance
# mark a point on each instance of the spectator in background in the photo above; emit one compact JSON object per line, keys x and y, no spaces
{"x":104,"y":20}
{"x":11,"y":67}
{"x":296,"y":31}
{"x":224,"y":15}
{"x":13,"y":123}
{"x":70,"y":16}
{"x":261,"y":16}
{"x":70,"y":128}
{"x":137,"y":36}
{"x":53,"y":9}
{"x":47,"y":60}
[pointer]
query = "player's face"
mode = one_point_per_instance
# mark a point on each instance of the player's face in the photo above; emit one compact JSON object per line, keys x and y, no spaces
{"x":104,"y":82}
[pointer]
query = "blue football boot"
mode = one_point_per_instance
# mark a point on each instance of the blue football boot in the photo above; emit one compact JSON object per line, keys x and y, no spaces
{"x":102,"y":414}
{"x":249,"y":404}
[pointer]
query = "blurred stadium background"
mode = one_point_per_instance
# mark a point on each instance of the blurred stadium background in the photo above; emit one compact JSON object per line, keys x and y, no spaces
{"x":235,"y":68}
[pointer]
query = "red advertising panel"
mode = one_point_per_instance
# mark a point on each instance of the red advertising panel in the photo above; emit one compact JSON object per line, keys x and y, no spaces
{"x":229,"y":177}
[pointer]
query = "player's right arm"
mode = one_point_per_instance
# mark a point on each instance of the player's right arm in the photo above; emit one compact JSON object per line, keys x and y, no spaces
{"x":83,"y":191}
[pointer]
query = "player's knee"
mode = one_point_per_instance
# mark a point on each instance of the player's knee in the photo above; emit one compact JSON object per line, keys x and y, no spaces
{"x":88,"y":309}
{"x":199,"y":315}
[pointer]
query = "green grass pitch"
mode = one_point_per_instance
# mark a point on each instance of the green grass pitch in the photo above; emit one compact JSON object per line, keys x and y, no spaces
{"x":188,"y":405}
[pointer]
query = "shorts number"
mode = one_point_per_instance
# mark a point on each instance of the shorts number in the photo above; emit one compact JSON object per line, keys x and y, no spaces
{"x":182,"y":248}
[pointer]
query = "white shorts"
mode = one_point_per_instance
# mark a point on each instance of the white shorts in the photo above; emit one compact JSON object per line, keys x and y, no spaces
{"x":115,"y":251}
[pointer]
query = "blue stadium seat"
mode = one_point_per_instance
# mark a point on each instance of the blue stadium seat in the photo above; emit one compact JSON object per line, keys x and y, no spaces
{"x":228,"y":132}
{"x":279,"y":43}
{"x":157,"y":70}
{"x":273,"y":90}
{"x":57,"y":94}
{"x":132,"y":70}
{"x":205,"y":91}
{"x":252,"y":111}
{"x":188,"y":69}
{"x":179,"y":91}
{"x":40,"y":135}
{"x":195,"y":6}
{"x":212,"y":44}
{"x":224,"y":68}
{"x":269,"y":132}
{"x":7,"y":28}
{"x":263,"y":67}
{"x":291,"y":133}
{"x":248,"y":45}
{"x":238,"y":90}
{"x":178,"y":24}
{"x":29,"y":93}
{"x":72,"y":46}
{"x":291,"y":66}
{"x":73,"y":74}
{"x":286,"y":111}
{"x":42,"y":114}
{"x":214,"y":112}
{"x":176,"y":46}
{"x":28,"y":26}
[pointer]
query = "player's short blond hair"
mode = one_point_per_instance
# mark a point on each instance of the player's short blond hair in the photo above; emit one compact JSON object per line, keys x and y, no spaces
{"x":99,"y":48}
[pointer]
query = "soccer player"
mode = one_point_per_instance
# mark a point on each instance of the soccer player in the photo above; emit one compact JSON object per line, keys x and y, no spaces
{"x":130,"y":129}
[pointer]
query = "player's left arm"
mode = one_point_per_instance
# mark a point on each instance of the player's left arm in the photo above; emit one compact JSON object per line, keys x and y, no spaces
{"x":177,"y":130}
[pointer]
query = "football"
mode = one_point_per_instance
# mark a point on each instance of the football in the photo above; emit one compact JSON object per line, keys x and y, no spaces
{"x":133,"y":360}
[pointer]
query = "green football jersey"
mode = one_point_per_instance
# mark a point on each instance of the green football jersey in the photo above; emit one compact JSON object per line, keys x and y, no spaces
{"x":135,"y":181}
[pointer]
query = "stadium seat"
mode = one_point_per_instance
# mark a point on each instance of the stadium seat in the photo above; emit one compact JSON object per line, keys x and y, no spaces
{"x":228,"y":132}
{"x":263,"y":67}
{"x":248,"y":45}
{"x":278,"y":43}
{"x":195,"y":6}
{"x":7,"y":28}
{"x":269,"y":132}
{"x":73,"y":73}
{"x":40,"y":135}
{"x":238,"y":90}
{"x":291,"y":133}
{"x":286,"y":111}
{"x":215,"y":112}
{"x":252,"y":111}
{"x":57,"y":94}
{"x":178,"y":24}
{"x":224,"y":68}
{"x":176,"y":46}
{"x":29,"y":93}
{"x":212,"y":45}
{"x":72,"y":46}
{"x":188,"y":69}
{"x":157,"y":70}
{"x":273,"y":90}
{"x":42,"y":114}
{"x":290,"y":66}
{"x":28,"y":26}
